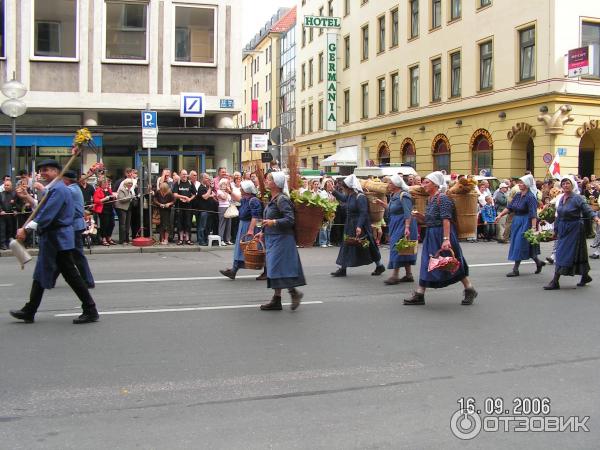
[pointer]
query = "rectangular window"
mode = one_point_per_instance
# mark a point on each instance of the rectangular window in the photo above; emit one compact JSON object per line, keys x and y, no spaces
{"x":310,"y":72}
{"x":330,"y":8}
{"x":414,"y":18}
{"x":320,"y":15}
{"x":381,"y":43}
{"x":455,"y":74}
{"x":485,"y":66}
{"x":414,"y":86}
{"x":310,"y":118}
{"x":321,"y":68}
{"x":303,"y":121}
{"x":303,"y":36}
{"x":436,"y":80}
{"x":303,"y":77}
{"x":315,"y":162}
{"x":381,"y":89}
{"x":55,"y":28}
{"x":346,"y":52}
{"x":483,"y":3}
{"x":320,"y":119}
{"x":346,"y":106}
{"x":365,"y":42}
{"x":346,"y":7}
{"x":310,"y":35}
{"x":195,"y":35}
{"x":126,"y":31}
{"x":395,"y":29}
{"x":527,"y":54}
{"x":436,"y":13}
{"x":590,"y":35}
{"x":303,"y":163}
{"x":364,"y":113}
{"x":2,"y":32}
{"x":455,"y":9}
{"x":395,"y":92}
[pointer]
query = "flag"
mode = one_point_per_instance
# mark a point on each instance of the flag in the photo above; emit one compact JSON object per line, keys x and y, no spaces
{"x":555,"y":167}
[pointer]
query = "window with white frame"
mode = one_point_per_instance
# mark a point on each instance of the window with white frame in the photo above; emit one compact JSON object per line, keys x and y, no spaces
{"x":365,"y":101}
{"x":303,"y":77}
{"x":320,"y":119}
{"x":2,"y":32}
{"x":436,"y":13}
{"x":346,"y":7}
{"x":527,"y":54}
{"x":590,"y":35}
{"x":330,"y":8}
{"x":320,"y":15}
{"x":310,"y":72}
{"x":55,"y":29}
{"x":381,"y":25}
{"x":321,"y":68}
{"x":346,"y":52}
{"x":195,"y":35}
{"x":485,"y":65}
{"x":483,"y":3}
{"x":455,"y":9}
{"x":395,"y":29}
{"x":310,"y":118}
{"x":395,"y":92}
{"x":414,"y":18}
{"x":381,"y":99}
{"x":303,"y":121}
{"x":436,"y":80}
{"x":365,"y":42}
{"x":126,"y":30}
{"x":455,"y":74}
{"x":346,"y":106}
{"x":414,"y":85}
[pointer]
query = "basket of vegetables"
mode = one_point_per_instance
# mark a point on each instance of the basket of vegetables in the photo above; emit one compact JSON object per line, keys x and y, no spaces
{"x":352,"y":241}
{"x":548,"y":214}
{"x":406,"y":247}
{"x":535,"y":237}
{"x":310,"y":211}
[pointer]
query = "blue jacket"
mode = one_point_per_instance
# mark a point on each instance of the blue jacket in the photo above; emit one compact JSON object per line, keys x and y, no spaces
{"x":77,"y":196}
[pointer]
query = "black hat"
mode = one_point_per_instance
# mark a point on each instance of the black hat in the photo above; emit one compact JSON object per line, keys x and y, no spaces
{"x":70,"y":175}
{"x":49,"y":163}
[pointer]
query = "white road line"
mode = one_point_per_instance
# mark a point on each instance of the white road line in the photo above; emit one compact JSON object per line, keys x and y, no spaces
{"x":199,"y":308}
{"x":498,"y":264}
{"x":149,"y":280}
{"x":6,"y":285}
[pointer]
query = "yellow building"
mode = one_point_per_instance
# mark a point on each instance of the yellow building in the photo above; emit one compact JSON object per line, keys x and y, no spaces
{"x":455,"y":85}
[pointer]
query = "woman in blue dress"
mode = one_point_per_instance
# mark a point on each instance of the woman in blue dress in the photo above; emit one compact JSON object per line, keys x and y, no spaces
{"x":401,"y":224}
{"x":524,"y":206}
{"x":357,"y":225}
{"x":440,"y":234}
{"x":250,"y":213}
{"x":571,"y":249}
{"x":284,"y":269}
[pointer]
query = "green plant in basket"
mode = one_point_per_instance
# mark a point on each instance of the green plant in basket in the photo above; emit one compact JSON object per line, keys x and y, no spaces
{"x":352,"y":241}
{"x":311,"y":199}
{"x":405,"y":244}
{"x":534,"y":237}
{"x":548,"y":214}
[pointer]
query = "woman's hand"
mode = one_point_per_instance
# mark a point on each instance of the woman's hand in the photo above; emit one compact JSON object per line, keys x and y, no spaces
{"x":407,"y":232}
{"x":446,"y":245}
{"x":380,"y":202}
{"x":417,"y":215}
{"x":269,"y":222}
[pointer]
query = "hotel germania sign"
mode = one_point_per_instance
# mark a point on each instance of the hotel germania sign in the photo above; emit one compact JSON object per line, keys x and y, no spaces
{"x":331,"y":93}
{"x":322,"y":22}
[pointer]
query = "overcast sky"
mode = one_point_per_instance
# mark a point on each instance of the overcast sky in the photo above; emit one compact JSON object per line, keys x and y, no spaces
{"x":256,"y":13}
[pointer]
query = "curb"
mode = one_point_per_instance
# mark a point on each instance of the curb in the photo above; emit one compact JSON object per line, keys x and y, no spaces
{"x":118,"y":250}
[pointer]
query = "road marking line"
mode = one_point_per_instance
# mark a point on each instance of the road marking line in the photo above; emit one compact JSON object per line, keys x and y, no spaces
{"x":6,"y":285}
{"x":148,"y":280}
{"x":199,"y":308}
{"x":498,"y":264}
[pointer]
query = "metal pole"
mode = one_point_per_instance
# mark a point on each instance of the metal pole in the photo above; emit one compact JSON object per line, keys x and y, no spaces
{"x":141,"y":200}
{"x":281,"y":147}
{"x":149,"y":193}
{"x":13,"y":152}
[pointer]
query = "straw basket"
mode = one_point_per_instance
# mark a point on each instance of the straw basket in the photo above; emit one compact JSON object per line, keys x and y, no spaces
{"x":466,"y":214}
{"x":374,"y":186}
{"x":420,"y":201}
{"x":244,"y":241}
{"x":409,"y":251}
{"x":376,"y":211}
{"x":254,"y":254}
{"x":308,"y":223}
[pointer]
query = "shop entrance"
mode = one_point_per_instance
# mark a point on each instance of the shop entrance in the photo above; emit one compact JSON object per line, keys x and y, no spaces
{"x":589,"y":157}
{"x":173,"y":160}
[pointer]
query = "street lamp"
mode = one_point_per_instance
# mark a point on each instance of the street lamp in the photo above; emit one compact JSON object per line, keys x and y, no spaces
{"x":13,"y":107}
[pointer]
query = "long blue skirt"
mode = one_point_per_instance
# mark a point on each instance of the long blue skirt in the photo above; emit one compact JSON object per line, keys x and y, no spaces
{"x":284,"y":269}
{"x":396,"y":230}
{"x":571,"y":248}
{"x":431,"y":244}
{"x":520,"y":249}
{"x":238,"y":254}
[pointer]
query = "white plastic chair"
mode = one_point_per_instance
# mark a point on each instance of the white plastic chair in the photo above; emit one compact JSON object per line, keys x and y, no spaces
{"x":214,"y":238}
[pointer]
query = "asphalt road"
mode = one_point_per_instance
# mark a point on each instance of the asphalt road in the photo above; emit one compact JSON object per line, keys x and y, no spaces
{"x":182,"y":358}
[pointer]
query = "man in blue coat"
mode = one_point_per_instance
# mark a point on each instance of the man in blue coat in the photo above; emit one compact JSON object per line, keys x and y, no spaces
{"x":54,"y":225}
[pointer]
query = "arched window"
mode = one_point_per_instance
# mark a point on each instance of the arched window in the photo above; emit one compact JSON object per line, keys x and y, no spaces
{"x":383,"y":154}
{"x":409,"y":155}
{"x":441,"y":153}
{"x":481,"y":148}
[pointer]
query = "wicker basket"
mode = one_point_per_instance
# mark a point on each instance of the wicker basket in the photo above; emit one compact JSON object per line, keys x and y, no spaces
{"x":309,"y":220}
{"x":374,"y":186}
{"x":420,"y":201}
{"x":466,"y":214}
{"x":254,"y":254}
{"x":376,"y":211}
{"x":409,"y":251}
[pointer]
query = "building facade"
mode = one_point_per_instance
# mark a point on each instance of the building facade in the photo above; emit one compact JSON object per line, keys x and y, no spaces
{"x":269,"y":80}
{"x":99,"y":63}
{"x":457,"y":85}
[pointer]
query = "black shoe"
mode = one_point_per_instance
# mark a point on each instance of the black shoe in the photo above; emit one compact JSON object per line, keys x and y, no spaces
{"x":273,"y":305}
{"x":550,"y":259}
{"x":22,"y":315}
{"x":594,"y":256}
{"x":228,"y":273}
{"x":514,"y":273}
{"x":87,"y":317}
{"x":585,"y":279}
{"x":552,"y":286}
{"x":539,"y":267}
{"x":416,"y":299}
{"x":470,"y":294}
{"x":296,"y":297}
{"x":90,"y":285}
{"x":378,"y":270}
{"x":261,"y":277}
{"x":339,"y":273}
{"x":3,"y":247}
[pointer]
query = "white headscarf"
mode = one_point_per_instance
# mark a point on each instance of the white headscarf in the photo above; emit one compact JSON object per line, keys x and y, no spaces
{"x":248,"y":187}
{"x":281,"y":181}
{"x":571,"y":178}
{"x":529,"y":181}
{"x":352,"y":182}
{"x":398,"y":181}
{"x":438,"y":179}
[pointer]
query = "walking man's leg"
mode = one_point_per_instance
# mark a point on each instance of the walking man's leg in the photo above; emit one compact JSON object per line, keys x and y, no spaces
{"x":66,"y":265}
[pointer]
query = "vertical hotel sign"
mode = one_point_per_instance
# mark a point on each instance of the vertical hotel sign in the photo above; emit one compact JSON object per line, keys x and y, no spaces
{"x":331,"y":93}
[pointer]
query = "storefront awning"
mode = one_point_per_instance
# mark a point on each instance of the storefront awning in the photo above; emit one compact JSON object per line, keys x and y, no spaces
{"x":24,"y":140}
{"x":347,"y":156}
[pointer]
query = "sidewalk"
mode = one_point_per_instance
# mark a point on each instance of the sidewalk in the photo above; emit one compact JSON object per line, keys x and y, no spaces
{"x":118,"y":249}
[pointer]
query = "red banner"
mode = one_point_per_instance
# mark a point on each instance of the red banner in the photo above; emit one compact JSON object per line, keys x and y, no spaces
{"x":254,"y":117}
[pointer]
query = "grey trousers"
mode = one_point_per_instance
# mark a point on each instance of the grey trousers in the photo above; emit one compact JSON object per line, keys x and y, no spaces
{"x":224,"y":225}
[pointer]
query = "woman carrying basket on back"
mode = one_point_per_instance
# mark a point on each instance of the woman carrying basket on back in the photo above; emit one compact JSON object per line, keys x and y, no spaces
{"x":250,"y":211}
{"x":440,"y":236}
{"x":402,"y":225}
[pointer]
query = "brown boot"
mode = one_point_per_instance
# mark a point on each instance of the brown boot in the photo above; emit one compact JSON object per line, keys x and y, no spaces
{"x":273,"y":305}
{"x":228,"y":273}
{"x":416,"y":299}
{"x":296,"y":297}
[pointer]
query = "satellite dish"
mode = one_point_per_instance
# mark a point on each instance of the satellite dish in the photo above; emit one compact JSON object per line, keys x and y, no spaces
{"x":279,"y":135}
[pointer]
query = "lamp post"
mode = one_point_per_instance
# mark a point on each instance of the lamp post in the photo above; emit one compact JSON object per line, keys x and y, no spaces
{"x":13,"y":107}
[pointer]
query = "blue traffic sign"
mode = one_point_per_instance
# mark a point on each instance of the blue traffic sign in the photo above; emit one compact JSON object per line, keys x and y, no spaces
{"x":149,"y":119}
